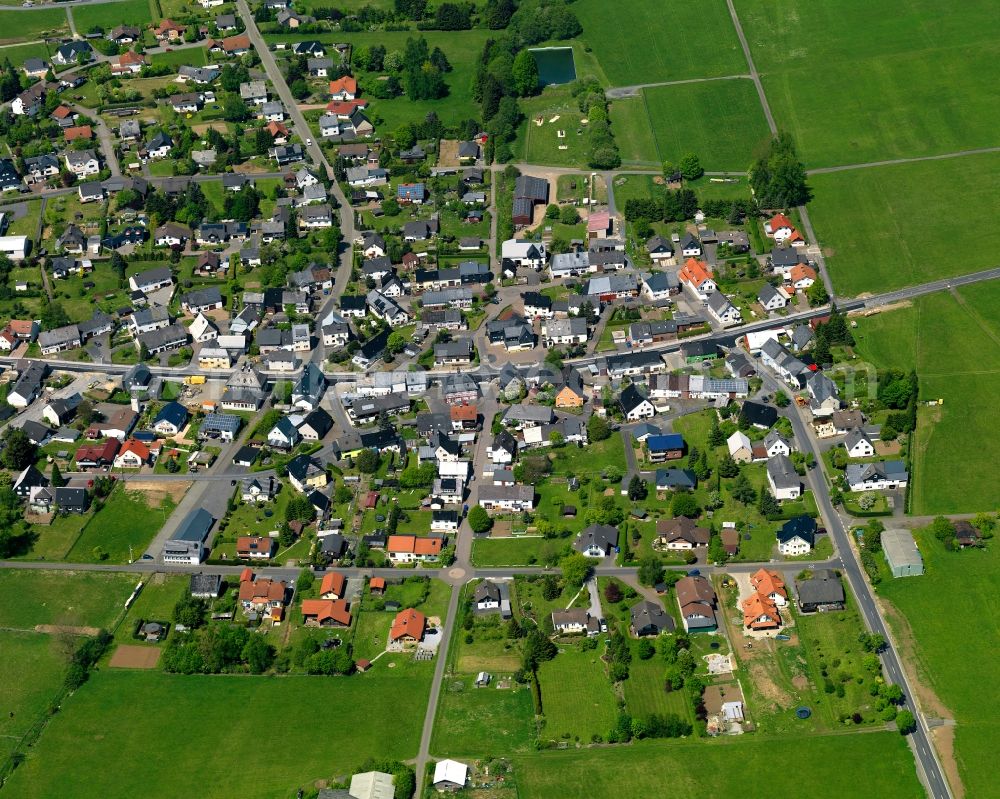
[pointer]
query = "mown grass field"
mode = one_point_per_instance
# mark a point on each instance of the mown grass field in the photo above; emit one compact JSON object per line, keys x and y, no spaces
{"x":942,"y":649}
{"x":719,"y":121}
{"x":577,"y":700}
{"x":35,"y":664}
{"x":120,"y":720}
{"x":27,"y":26}
{"x":639,"y":42}
{"x":476,"y":721}
{"x":887,"y":227}
{"x":108,"y":15}
{"x":645,"y":694}
{"x":951,"y":339}
{"x":854,"y":82}
{"x":881,"y":765}
{"x":89,"y":599}
{"x":155,"y":602}
{"x":635,"y":139}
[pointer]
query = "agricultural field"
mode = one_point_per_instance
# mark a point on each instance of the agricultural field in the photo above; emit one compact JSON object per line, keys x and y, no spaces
{"x":939,"y":335}
{"x":29,"y":26}
{"x":107,"y":15}
{"x":929,"y":639}
{"x":106,"y":727}
{"x":631,"y":50}
{"x":883,"y":230}
{"x":121,"y":529}
{"x":728,"y":131}
{"x":851,"y":88}
{"x":578,"y":702}
{"x":39,"y":661}
{"x":633,"y":134}
{"x":68,"y":598}
{"x":881,"y":765}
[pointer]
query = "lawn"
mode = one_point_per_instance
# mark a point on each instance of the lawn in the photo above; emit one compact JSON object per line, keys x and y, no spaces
{"x":482,"y":721}
{"x":633,"y":134}
{"x":18,"y":54}
{"x":645,"y":693}
{"x":39,"y":661}
{"x":55,"y":540}
{"x":880,"y":765}
{"x":726,"y":131}
{"x":90,"y":599}
{"x":155,"y":602}
{"x":542,"y":144}
{"x":108,"y":15}
{"x":941,"y":336}
{"x":28,"y":26}
{"x":854,"y":82}
{"x":883,"y":228}
{"x":577,"y":700}
{"x":518,"y":551}
{"x":653,"y":42}
{"x":121,"y":529}
{"x":121,"y":718}
{"x":191,"y":56}
{"x":592,"y":460}
{"x":929,"y":638}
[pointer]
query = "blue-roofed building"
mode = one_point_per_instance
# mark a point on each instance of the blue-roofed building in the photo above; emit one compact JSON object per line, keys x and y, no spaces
{"x":222,"y":426}
{"x":665,"y":447}
{"x":187,"y":545}
{"x":411,"y":193}
{"x":171,"y":419}
{"x":676,"y":479}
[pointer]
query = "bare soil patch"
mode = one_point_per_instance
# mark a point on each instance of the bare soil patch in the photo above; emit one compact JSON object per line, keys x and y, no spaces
{"x":65,"y":629}
{"x":156,"y":491}
{"x":204,"y":128}
{"x":448,"y":153}
{"x":127,"y":656}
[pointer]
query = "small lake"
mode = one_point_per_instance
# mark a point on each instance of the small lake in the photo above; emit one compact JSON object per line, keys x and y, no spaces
{"x":555,"y":65}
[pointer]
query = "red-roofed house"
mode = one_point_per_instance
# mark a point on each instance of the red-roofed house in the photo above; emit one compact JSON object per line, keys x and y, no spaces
{"x":97,"y":455}
{"x":377,"y":585}
{"x":133,"y":455}
{"x":598,"y":225}
{"x":344,"y":108}
{"x":779,"y":227}
{"x":63,"y":112}
{"x":262,"y":595}
{"x":802,"y":276}
{"x":254,"y":547}
{"x":169,"y":30}
{"x":84,"y":132}
{"x":278,"y":132}
{"x":236,"y":45}
{"x":408,"y":626}
{"x":770,"y":584}
{"x":7,"y":340}
{"x":698,"y":278}
{"x":464,"y":417}
{"x":326,"y":613}
{"x":413,"y":548}
{"x":760,"y":613}
{"x":130,"y":63}
{"x":333,"y":586}
{"x":345,"y":88}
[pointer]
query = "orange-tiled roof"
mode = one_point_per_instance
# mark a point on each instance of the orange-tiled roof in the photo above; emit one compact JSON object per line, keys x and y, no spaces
{"x":246,"y":574}
{"x":137,"y":447}
{"x":263,"y":589}
{"x":344,"y":84}
{"x":238,"y":42}
{"x":327,"y":609}
{"x":796,"y":236}
{"x":131,"y":57}
{"x":463,"y":413}
{"x":79,"y":132}
{"x":276,"y":129}
{"x":415,"y":544}
{"x":333,"y":583}
{"x":695,"y":272}
{"x":760,"y":613}
{"x":22,"y":327}
{"x":801,"y":271}
{"x":767,"y":582}
{"x":168,"y":25}
{"x":253,"y":543}
{"x":62,"y":112}
{"x":408,"y":623}
{"x":377,"y":583}
{"x":779,"y":221}
{"x":98,"y":452}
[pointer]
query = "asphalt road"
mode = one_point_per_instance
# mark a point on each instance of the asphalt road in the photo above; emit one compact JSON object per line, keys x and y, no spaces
{"x":924,"y":753}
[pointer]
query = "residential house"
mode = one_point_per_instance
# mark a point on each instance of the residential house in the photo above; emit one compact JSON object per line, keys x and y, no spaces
{"x":784,"y":481}
{"x":596,"y":541}
{"x":649,"y":619}
{"x":888,"y":475}
{"x":697,"y":601}
{"x":822,"y":591}
{"x":680,"y":534}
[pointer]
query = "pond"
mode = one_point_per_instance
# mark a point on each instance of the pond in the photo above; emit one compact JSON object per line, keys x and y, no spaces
{"x":555,"y":65}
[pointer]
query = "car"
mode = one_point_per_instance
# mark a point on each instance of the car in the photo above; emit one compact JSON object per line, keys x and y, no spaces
{"x":309,"y":142}
{"x":694,"y":573}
